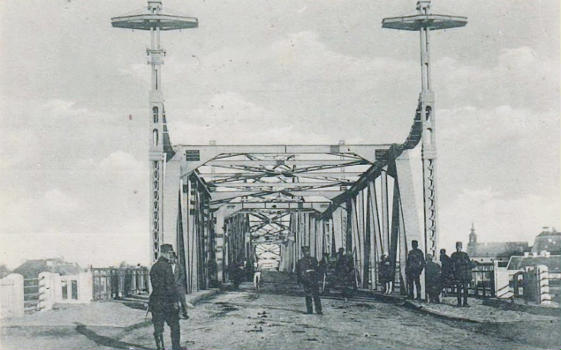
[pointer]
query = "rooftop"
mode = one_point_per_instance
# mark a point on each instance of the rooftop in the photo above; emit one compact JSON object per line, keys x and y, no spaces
{"x":553,"y":262}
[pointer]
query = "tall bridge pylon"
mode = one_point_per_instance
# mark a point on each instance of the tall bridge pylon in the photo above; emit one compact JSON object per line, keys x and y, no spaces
{"x":155,"y":20}
{"x":424,"y":22}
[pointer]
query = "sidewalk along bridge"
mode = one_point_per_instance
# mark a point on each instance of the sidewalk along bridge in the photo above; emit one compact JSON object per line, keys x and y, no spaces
{"x":221,"y":204}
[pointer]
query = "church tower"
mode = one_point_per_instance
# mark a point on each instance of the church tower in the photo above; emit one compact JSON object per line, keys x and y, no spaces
{"x":472,"y":245}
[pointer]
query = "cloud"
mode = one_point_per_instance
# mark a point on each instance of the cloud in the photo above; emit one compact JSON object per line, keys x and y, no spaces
{"x":229,"y":118}
{"x":105,"y":206}
{"x":311,"y":92}
{"x":57,"y":201}
{"x":119,"y":163}
{"x":514,"y":149}
{"x":518,"y":77}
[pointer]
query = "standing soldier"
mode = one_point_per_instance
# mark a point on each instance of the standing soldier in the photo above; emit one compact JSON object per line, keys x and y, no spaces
{"x":345,"y":272}
{"x":462,"y":273}
{"x":434,"y":281}
{"x":163,"y":301}
{"x":414,"y":266}
{"x":447,"y":275}
{"x":307,"y":270}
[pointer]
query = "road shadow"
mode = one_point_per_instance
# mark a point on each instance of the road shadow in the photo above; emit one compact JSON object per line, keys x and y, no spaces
{"x":107,"y":341}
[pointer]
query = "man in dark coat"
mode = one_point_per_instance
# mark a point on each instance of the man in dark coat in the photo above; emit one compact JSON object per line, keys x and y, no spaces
{"x":237,"y":272}
{"x":447,"y":275}
{"x":163,"y":302}
{"x":462,"y":273}
{"x":345,"y":272}
{"x":179,"y":276}
{"x":433,"y":278}
{"x":413,"y":268}
{"x":307,"y":272}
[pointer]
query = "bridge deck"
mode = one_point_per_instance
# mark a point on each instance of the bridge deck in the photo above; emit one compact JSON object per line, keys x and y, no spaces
{"x":246,"y":320}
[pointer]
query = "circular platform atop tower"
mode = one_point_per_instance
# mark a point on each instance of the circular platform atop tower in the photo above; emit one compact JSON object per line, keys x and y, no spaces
{"x":147,"y":21}
{"x":416,"y":22}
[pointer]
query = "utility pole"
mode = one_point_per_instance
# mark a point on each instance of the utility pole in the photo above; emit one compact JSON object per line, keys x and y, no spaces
{"x":424,"y":22}
{"x":155,"y":20}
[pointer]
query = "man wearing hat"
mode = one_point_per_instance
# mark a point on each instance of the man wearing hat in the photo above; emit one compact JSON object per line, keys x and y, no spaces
{"x":307,"y":270}
{"x":447,"y":275}
{"x":462,"y":273}
{"x":434,"y":280}
{"x":164,"y":300}
{"x":413,"y":268}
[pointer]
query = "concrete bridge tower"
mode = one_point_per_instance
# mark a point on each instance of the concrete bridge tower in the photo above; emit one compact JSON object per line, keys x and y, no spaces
{"x":424,"y":22}
{"x":155,"y":20}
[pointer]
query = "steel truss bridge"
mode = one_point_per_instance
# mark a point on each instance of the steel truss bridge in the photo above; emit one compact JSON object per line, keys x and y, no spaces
{"x":221,"y":204}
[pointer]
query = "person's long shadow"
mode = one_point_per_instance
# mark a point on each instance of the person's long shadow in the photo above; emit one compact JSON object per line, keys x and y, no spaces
{"x":106,"y":341}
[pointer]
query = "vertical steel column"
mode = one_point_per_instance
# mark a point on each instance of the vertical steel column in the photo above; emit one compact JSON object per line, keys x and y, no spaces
{"x":312,"y":234}
{"x":156,"y":149}
{"x":354,"y":248}
{"x":385,"y":220}
{"x":369,"y":279}
{"x":180,"y":232}
{"x":396,"y":225}
{"x":377,"y":235}
{"x":349,"y":225}
{"x":428,"y":150}
{"x":360,"y":233}
{"x":338,"y":228}
{"x":194,"y":243}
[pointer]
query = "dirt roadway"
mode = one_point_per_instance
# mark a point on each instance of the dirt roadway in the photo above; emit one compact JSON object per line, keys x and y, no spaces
{"x":248,"y":321}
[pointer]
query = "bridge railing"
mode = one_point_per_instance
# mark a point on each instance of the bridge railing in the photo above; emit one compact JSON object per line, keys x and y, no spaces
{"x":482,"y":281}
{"x":115,"y":283}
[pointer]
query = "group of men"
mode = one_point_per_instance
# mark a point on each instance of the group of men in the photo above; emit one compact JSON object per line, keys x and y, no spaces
{"x":168,"y":296}
{"x":454,"y":272}
{"x":168,"y":283}
{"x":311,"y":274}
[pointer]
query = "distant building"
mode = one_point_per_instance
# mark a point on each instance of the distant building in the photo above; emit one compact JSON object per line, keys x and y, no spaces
{"x":32,"y":268}
{"x":549,"y":240}
{"x":487,"y":252}
{"x":553,"y":263}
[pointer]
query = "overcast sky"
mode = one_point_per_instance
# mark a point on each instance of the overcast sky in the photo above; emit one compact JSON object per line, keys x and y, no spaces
{"x":73,"y":164}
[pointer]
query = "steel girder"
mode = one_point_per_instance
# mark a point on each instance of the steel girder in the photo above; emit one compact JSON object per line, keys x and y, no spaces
{"x":226,"y":196}
{"x":380,"y":218}
{"x":266,"y":171}
{"x":385,"y":157}
{"x":246,"y":190}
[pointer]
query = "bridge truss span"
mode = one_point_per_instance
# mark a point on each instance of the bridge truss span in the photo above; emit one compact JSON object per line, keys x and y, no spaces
{"x":221,"y":205}
{"x":236,"y":201}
